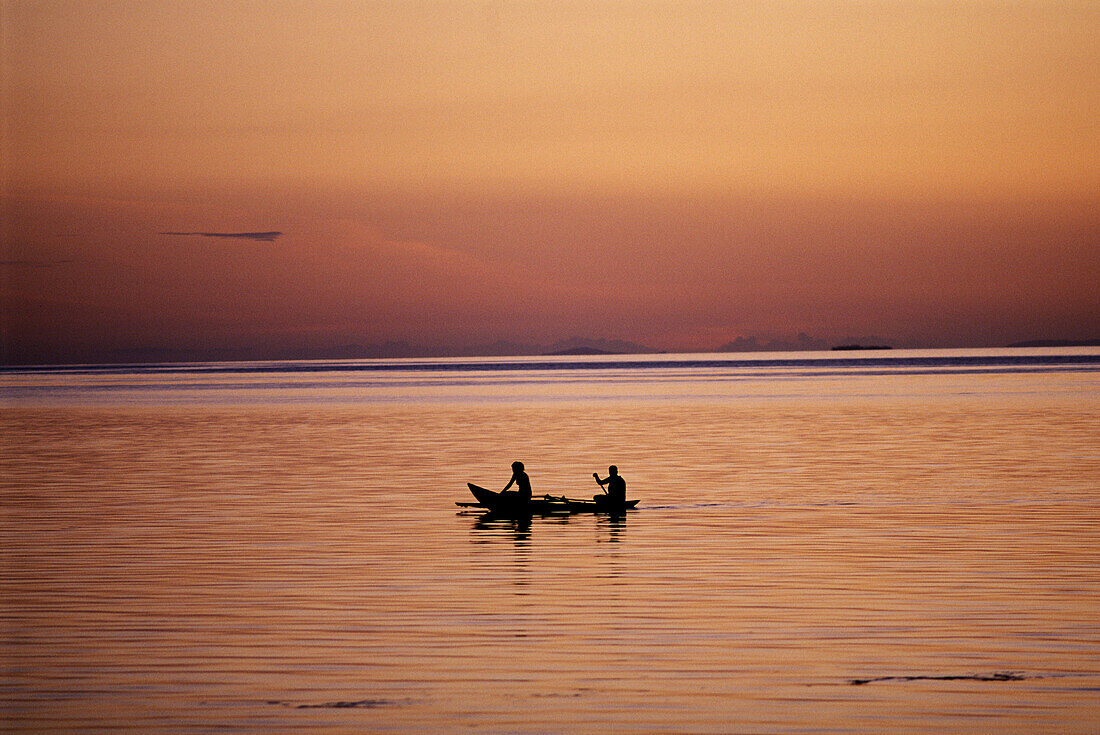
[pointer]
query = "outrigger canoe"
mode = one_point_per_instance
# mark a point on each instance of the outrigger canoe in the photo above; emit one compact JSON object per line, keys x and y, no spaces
{"x":547,"y":504}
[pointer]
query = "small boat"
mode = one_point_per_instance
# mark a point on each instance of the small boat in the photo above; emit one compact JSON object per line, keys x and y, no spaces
{"x":545,"y":505}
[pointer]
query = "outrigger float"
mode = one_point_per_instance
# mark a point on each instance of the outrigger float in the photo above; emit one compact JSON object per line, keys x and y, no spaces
{"x":492,"y":502}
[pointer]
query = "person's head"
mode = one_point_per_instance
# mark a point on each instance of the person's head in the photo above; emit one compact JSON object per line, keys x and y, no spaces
{"x":612,"y":470}
{"x":517,"y":466}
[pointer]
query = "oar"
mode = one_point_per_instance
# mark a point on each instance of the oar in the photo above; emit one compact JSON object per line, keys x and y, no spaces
{"x":597,"y":478}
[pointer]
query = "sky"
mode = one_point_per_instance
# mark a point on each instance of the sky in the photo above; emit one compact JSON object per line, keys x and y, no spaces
{"x":295,"y":176}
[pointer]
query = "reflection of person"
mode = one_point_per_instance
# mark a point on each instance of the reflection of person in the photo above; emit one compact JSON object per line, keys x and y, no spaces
{"x":522,"y":493}
{"x":616,"y":487}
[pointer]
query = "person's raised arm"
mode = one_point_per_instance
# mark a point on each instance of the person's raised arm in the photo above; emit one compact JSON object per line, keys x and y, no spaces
{"x":601,"y":482}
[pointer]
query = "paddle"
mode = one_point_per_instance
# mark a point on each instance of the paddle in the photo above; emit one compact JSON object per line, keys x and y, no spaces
{"x":596,"y":477}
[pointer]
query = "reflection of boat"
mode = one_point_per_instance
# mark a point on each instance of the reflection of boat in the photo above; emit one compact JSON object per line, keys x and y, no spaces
{"x":547,"y":504}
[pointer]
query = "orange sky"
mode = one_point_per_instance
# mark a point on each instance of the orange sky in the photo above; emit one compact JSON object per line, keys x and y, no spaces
{"x":449,"y":174}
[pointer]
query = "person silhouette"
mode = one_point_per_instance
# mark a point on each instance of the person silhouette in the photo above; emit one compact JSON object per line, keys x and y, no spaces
{"x":616,"y":487}
{"x":522,"y":493}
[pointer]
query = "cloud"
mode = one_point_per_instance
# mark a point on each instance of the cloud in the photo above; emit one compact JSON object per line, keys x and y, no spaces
{"x":34,"y":263}
{"x":257,"y":236}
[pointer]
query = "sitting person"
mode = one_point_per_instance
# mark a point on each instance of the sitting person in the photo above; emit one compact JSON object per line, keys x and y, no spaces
{"x":616,"y":487}
{"x":522,"y":493}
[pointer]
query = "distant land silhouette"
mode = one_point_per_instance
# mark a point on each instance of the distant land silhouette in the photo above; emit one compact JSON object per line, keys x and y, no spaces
{"x":1058,"y":343}
{"x":22,"y":354}
{"x":751,"y":344}
{"x":582,"y":346}
{"x":862,"y":347}
{"x":389,"y":350}
{"x":804,"y":342}
{"x":583,"y":351}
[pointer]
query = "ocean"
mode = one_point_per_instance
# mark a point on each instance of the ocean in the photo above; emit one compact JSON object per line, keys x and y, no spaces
{"x":839,"y":542}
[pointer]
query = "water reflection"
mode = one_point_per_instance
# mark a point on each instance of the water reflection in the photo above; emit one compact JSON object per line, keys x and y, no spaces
{"x":262,"y":565}
{"x":613,"y":526}
{"x":492,"y":526}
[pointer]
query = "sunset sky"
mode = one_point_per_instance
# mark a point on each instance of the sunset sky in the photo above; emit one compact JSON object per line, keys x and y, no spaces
{"x":450,"y":174}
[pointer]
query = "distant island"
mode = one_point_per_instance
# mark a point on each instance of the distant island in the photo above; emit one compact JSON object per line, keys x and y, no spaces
{"x":1058,"y":343}
{"x":804,"y":342}
{"x":583,"y":351}
{"x":862,"y":347}
{"x":399,"y":349}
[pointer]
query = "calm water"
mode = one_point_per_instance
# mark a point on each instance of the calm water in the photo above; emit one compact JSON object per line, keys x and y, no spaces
{"x":276,"y":547}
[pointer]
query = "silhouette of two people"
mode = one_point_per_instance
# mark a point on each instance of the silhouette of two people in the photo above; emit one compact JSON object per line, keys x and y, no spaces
{"x":614,"y":495}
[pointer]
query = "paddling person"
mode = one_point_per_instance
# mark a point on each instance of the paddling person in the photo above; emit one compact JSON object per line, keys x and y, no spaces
{"x":616,"y":487}
{"x":522,"y":493}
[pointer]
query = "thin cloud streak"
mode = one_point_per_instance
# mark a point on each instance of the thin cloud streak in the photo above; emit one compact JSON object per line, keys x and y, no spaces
{"x":255,"y":236}
{"x":35,"y":263}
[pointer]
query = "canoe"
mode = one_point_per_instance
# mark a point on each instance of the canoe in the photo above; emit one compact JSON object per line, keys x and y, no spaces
{"x":547,"y":504}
